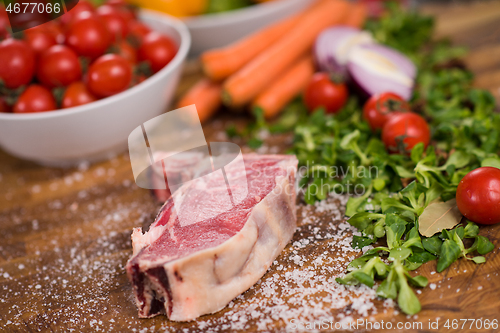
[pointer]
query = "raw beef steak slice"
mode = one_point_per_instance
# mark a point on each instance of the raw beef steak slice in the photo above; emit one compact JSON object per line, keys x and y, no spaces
{"x":186,"y":270}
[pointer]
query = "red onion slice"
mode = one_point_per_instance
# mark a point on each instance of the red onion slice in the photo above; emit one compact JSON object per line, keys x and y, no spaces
{"x":333,"y":46}
{"x":377,"y":69}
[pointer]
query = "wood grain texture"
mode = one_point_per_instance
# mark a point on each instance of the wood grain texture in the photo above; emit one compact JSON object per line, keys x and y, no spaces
{"x":65,"y":239}
{"x":475,"y":25}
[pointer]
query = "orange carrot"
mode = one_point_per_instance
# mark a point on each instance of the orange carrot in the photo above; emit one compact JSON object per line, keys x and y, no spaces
{"x":289,"y":85}
{"x":206,"y":95}
{"x":357,"y":15}
{"x":220,"y":63}
{"x":248,"y":82}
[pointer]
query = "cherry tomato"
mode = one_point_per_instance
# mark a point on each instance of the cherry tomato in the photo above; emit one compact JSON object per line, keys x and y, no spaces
{"x":59,"y":66}
{"x":52,"y":28}
{"x":403,"y":131}
{"x":35,"y":98}
{"x":114,"y":22}
{"x":126,"y":50}
{"x":88,"y":36}
{"x":77,"y":94}
{"x":39,"y":40}
{"x":81,"y":6}
{"x":80,"y":16}
{"x":4,"y":22}
{"x":56,"y":29}
{"x":379,"y":108}
{"x":124,"y":9}
{"x":109,"y":75}
{"x":127,"y":14}
{"x":322,"y":92}
{"x":17,"y":63}
{"x":138,"y":30}
{"x":157,"y":49}
{"x":24,"y":18}
{"x":478,"y":195}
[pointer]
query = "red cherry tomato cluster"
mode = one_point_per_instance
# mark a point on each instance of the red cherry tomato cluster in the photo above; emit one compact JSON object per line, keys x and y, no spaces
{"x":401,"y":128}
{"x":379,"y":108}
{"x":388,"y":112}
{"x":87,"y":54}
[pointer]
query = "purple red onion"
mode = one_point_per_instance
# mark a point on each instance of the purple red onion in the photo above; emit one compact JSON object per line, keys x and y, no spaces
{"x":377,"y":69}
{"x":333,"y":46}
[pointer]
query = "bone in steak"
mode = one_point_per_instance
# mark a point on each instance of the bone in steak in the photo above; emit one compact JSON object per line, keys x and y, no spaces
{"x":186,"y":270}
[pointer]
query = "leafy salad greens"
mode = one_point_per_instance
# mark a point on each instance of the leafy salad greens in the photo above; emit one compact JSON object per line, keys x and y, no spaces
{"x":399,"y":188}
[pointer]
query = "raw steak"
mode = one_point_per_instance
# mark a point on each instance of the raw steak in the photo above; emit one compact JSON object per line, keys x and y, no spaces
{"x":184,"y":269}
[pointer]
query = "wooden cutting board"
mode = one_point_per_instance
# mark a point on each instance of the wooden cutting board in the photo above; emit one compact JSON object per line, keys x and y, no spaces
{"x":65,"y":239}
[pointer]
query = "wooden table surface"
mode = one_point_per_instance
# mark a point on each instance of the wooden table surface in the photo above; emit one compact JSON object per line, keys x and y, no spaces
{"x":65,"y":239}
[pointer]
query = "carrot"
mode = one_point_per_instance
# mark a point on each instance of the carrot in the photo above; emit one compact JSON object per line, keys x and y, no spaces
{"x":220,"y":63}
{"x":283,"y":90}
{"x":357,"y":15}
{"x":248,"y":82}
{"x":206,"y":95}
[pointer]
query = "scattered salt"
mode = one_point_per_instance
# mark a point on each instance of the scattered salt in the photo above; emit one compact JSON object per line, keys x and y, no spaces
{"x":308,"y":281}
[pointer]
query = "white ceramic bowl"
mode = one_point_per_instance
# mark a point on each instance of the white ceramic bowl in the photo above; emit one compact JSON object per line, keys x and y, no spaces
{"x":216,"y":30}
{"x":100,"y":129}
